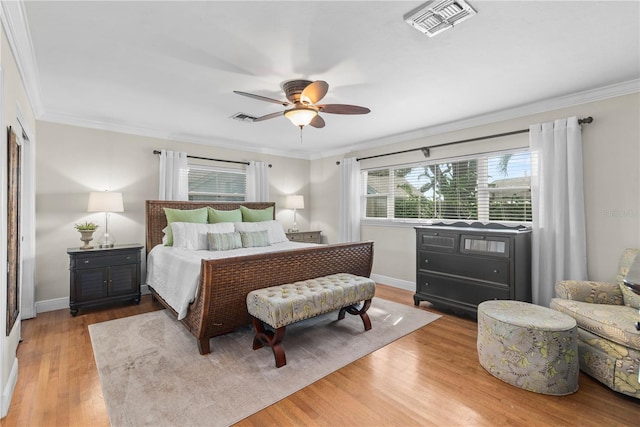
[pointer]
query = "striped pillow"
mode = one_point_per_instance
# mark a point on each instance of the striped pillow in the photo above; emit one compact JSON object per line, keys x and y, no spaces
{"x":224,"y":241}
{"x":255,"y":238}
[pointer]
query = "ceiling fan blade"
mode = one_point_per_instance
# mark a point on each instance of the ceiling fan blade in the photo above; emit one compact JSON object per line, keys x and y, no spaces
{"x":269,"y":116}
{"x":314,"y":92}
{"x":343,"y":109}
{"x":317,"y":122}
{"x":262,"y":98}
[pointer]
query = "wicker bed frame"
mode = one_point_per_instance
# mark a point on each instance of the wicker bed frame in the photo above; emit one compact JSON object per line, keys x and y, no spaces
{"x":220,"y":306}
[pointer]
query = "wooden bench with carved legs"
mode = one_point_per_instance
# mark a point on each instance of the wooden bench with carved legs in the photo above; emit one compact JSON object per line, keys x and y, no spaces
{"x":279,"y":306}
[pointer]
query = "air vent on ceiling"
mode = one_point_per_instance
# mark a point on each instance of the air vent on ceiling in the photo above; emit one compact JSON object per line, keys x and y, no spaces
{"x":243,"y":117}
{"x":438,"y":15}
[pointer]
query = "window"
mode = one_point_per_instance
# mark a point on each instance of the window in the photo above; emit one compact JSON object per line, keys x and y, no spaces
{"x":208,"y":183}
{"x":492,"y":187}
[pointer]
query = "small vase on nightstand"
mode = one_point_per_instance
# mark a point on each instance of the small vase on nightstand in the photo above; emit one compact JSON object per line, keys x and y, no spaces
{"x":86,"y":237}
{"x":86,"y":233}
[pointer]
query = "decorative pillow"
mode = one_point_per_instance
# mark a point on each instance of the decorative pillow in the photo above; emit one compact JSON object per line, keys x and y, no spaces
{"x":256,"y":215}
{"x":216,"y":216}
{"x":254,"y":239}
{"x":177,"y":215}
{"x":273,"y":227}
{"x":192,"y":236}
{"x":631,"y":299}
{"x":224,"y":241}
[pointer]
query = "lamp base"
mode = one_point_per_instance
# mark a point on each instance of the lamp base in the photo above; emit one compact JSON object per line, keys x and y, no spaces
{"x":106,"y":241}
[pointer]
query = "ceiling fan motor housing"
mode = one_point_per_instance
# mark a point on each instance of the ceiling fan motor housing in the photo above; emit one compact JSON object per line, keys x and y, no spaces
{"x":293,"y":88}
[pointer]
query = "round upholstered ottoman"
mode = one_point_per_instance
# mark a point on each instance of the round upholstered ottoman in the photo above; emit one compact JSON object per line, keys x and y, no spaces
{"x":529,"y":346}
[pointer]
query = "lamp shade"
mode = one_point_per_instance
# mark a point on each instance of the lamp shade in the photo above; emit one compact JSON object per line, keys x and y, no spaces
{"x":105,"y":201}
{"x":294,"y":201}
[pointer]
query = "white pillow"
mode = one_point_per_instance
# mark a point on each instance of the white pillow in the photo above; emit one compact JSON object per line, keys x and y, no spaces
{"x":193,"y":236}
{"x":273,"y":227}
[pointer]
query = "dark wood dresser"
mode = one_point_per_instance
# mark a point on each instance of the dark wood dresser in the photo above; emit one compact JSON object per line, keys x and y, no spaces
{"x":103,"y":275}
{"x":460,"y":265}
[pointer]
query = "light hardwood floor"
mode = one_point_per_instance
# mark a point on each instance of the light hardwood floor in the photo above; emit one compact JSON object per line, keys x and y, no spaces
{"x":429,"y":378}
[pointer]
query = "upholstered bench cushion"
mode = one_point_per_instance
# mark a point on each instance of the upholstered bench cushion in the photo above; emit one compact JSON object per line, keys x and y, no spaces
{"x":612,"y":322}
{"x":282,"y":305}
{"x":529,"y":346}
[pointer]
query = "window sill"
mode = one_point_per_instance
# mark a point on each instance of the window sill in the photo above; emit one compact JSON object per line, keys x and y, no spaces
{"x":409,"y":223}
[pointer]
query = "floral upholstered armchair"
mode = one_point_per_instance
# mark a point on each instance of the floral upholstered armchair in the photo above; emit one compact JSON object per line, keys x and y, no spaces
{"x":606,"y":314}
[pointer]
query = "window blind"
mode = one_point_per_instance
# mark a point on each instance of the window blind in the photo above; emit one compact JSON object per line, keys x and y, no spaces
{"x":208,"y":183}
{"x":489,"y":187}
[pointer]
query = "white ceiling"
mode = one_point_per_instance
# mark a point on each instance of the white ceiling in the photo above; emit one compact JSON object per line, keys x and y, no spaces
{"x":168,"y":69}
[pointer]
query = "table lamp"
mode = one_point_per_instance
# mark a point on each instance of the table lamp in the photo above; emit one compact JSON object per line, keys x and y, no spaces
{"x":294,"y":201}
{"x":107,"y":202}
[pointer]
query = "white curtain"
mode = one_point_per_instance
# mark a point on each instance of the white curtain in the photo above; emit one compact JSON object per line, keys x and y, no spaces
{"x":257,"y":182}
{"x":174,"y":176}
{"x":349,"y":221}
{"x":559,"y":239}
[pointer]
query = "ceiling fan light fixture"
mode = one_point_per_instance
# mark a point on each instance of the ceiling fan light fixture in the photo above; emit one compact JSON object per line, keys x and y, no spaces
{"x":300,"y":116}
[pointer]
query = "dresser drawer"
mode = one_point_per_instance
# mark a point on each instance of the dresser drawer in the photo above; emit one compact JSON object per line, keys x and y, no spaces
{"x":89,"y":261}
{"x":437,"y":241}
{"x":480,"y":268}
{"x":455,"y":289}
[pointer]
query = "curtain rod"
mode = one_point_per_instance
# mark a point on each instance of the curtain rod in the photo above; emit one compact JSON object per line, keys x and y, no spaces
{"x":213,"y":160}
{"x":425,"y":150}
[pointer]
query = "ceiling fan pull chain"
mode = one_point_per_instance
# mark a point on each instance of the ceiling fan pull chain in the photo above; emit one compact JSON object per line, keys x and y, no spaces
{"x":301,"y":134}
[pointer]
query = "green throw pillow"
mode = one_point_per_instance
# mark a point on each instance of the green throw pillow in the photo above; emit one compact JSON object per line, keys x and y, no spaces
{"x":224,"y":241}
{"x":216,"y":216}
{"x":256,"y":215}
{"x":198,"y":216}
{"x":254,"y":239}
{"x":631,"y":299}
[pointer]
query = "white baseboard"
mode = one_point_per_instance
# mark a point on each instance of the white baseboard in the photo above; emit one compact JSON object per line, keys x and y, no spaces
{"x":7,"y":393}
{"x":63,"y":303}
{"x":52,"y":305}
{"x":396,"y":283}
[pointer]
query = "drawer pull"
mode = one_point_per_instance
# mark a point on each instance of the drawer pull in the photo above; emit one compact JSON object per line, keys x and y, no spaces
{"x":496,"y":271}
{"x":86,"y":261}
{"x":127,"y":257}
{"x":426,"y":283}
{"x":426,"y":261}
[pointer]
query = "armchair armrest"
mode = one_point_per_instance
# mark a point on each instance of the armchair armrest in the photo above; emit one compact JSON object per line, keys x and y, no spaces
{"x":588,"y":291}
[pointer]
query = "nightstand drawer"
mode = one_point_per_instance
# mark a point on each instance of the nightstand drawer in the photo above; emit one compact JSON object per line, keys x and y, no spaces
{"x":304,"y":236}
{"x":105,"y":261}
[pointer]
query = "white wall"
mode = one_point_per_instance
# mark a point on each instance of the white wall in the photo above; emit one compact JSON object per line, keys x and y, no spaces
{"x":72,"y":161}
{"x":611,"y":147}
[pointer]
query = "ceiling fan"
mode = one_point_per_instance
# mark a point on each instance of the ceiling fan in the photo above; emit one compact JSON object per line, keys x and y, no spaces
{"x":303,"y":96}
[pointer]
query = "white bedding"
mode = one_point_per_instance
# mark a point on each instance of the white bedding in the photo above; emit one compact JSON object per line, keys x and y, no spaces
{"x":175,"y":273}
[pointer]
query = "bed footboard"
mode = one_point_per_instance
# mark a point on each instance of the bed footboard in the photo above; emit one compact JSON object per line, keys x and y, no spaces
{"x":224,"y":283}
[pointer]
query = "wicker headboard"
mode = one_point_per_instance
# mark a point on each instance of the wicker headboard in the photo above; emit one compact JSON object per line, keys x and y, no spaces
{"x":157,"y":221}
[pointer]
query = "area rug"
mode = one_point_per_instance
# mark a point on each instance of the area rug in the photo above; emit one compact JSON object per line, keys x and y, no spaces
{"x":152,"y":374}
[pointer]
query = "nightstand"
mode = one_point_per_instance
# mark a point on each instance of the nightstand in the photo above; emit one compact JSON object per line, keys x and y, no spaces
{"x":103,"y":275}
{"x":304,"y":236}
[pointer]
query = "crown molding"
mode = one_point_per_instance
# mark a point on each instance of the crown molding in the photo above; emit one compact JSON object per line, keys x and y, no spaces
{"x":611,"y":91}
{"x":14,"y":21}
{"x":72,"y":120}
{"x":571,"y":100}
